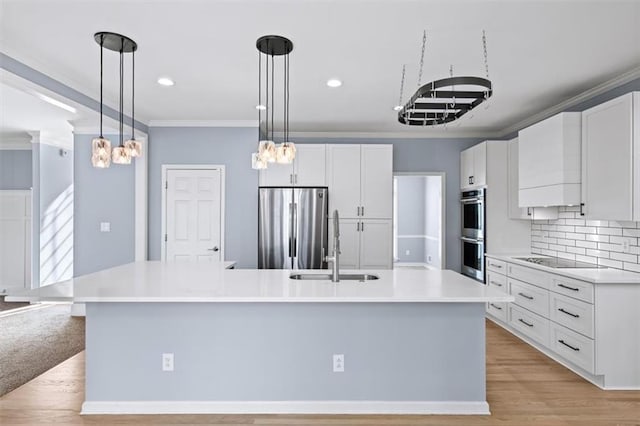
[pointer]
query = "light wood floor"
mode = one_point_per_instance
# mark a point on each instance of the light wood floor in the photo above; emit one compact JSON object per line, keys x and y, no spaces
{"x":524,"y":387}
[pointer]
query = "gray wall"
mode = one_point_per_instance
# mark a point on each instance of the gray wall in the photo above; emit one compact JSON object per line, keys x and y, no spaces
{"x":229,"y":146}
{"x":283,"y":351}
{"x":15,"y":169}
{"x":428,"y":155}
{"x":411,"y":218}
{"x":55,"y":195}
{"x":102,"y":195}
{"x":433,"y":219}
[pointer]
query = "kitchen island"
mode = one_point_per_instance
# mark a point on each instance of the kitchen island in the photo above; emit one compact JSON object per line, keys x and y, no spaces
{"x":256,"y":341}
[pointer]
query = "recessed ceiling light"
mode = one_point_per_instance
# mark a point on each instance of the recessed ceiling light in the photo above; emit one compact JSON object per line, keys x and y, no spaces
{"x":334,"y":82}
{"x":261,"y":107}
{"x":165,"y":81}
{"x":397,"y":107}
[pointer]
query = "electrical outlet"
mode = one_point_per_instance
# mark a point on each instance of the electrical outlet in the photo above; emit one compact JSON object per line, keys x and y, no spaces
{"x":407,"y":252}
{"x":167,"y":362}
{"x":105,"y":226}
{"x":626,"y":246}
{"x":338,"y":363}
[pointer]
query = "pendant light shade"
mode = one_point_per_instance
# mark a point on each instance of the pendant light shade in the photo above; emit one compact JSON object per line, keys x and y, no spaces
{"x":100,"y":152}
{"x":271,"y":46}
{"x":121,"y":155}
{"x":286,"y":153}
{"x":102,"y":155}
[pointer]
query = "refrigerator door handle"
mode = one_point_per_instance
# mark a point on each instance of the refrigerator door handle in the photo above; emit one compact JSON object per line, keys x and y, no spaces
{"x":294,"y":230}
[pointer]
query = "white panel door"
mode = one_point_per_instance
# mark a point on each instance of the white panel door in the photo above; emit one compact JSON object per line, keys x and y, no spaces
{"x":349,"y":243}
{"x":343,"y":172}
{"x":15,"y":245}
{"x":193,"y":215}
{"x":376,"y":244}
{"x":607,"y":160}
{"x":277,"y":175}
{"x":376,"y":184}
{"x":310,"y":165}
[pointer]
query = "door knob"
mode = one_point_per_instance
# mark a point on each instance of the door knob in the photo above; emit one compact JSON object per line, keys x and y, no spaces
{"x":214,"y":249}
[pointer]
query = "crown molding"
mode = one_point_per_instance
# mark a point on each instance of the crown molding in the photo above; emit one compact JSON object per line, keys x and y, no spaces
{"x":203,"y":123}
{"x":582,"y":97}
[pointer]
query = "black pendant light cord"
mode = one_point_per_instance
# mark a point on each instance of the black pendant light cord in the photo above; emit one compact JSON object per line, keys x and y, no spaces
{"x":272,"y":95}
{"x":287,"y":103}
{"x":259,"y":91}
{"x":267,"y":92}
{"x":133,"y":95}
{"x":121,"y":94}
{"x":101,"y":67}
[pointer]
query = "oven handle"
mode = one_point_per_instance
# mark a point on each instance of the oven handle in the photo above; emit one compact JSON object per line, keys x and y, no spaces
{"x":472,"y":240}
{"x":478,"y":200}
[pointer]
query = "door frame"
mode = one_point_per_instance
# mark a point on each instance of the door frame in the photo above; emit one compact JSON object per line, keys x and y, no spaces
{"x":163,"y":229}
{"x":443,"y":216}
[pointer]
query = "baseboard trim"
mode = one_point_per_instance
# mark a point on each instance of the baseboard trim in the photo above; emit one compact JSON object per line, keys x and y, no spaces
{"x":286,"y":407}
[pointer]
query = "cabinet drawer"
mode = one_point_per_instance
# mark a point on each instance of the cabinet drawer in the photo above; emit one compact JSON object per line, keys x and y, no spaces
{"x":530,"y":276}
{"x":573,"y":288}
{"x":497,"y":266}
{"x":571,"y":313}
{"x":496,"y":280}
{"x":528,"y":296}
{"x":498,"y":310}
{"x":572,"y":346}
{"x":529,"y":324}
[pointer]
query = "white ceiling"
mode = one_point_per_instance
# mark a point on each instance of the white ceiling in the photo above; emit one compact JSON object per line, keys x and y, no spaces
{"x":541,"y":53}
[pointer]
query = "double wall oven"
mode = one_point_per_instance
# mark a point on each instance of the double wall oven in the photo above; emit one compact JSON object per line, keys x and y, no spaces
{"x":473,"y":233}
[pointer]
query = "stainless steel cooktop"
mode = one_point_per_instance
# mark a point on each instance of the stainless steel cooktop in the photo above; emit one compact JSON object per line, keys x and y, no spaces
{"x":555,"y":262}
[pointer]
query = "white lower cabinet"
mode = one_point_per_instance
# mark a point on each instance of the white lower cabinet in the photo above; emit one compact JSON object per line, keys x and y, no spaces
{"x":364,"y":243}
{"x":591,"y":328}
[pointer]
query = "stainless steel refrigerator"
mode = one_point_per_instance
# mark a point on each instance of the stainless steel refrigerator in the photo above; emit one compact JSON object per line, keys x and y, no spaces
{"x":292,"y":228}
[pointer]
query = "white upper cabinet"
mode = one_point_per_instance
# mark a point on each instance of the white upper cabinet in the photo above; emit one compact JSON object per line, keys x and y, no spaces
{"x":473,"y":167}
{"x":343,"y":172}
{"x":308,"y":168}
{"x":361,"y":180}
{"x":549,"y":162}
{"x":376,"y":181}
{"x":515,"y":211}
{"x":611,"y":159}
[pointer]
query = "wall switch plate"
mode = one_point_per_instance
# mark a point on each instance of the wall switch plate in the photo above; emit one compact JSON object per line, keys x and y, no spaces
{"x":338,"y":363}
{"x":105,"y":226}
{"x":167,"y":362}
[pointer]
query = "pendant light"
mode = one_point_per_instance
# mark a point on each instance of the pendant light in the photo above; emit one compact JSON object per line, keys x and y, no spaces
{"x":134,"y":146}
{"x":272,"y":46}
{"x":102,"y":154}
{"x":101,"y":146}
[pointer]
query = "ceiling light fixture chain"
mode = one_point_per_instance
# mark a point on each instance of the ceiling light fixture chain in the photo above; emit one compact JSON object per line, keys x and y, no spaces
{"x":404,"y":67}
{"x":484,"y":48}
{"x":424,"y":44}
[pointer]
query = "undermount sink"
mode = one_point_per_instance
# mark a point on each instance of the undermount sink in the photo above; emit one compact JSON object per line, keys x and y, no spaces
{"x":345,"y":277}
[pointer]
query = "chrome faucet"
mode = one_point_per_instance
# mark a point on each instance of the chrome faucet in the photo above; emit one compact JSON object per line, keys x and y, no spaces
{"x":335,"y":259}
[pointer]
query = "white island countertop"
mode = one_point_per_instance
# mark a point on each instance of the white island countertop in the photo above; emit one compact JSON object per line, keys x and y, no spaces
{"x":155,"y":281}
{"x":592,"y":275}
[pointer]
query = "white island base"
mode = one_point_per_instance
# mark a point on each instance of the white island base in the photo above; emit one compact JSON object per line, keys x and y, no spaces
{"x":412,"y":344}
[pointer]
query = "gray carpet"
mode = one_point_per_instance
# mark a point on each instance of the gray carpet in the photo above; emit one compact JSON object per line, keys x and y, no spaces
{"x":5,"y":306}
{"x":34,"y":341}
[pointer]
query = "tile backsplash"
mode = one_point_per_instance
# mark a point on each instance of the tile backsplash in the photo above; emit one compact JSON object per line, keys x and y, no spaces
{"x":602,"y":242}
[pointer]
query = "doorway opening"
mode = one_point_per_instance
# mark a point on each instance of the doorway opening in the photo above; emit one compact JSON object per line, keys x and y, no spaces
{"x":418,"y":220}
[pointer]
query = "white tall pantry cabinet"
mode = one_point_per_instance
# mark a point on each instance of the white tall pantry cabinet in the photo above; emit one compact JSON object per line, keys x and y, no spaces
{"x":360,"y":180}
